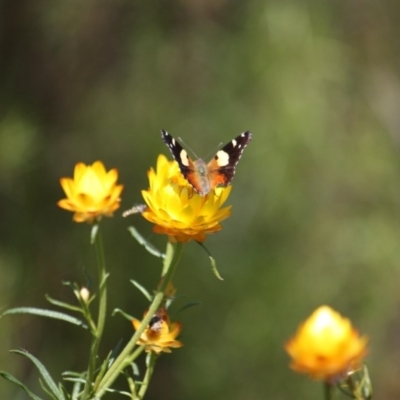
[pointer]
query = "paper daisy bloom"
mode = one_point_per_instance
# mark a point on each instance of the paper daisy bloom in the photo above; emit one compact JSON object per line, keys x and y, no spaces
{"x":159,"y":336}
{"x":326,"y":346}
{"x":91,"y":193}
{"x":177,"y":210}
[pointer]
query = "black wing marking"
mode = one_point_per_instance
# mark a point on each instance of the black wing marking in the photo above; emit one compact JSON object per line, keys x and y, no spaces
{"x":177,"y":151}
{"x":234,"y":150}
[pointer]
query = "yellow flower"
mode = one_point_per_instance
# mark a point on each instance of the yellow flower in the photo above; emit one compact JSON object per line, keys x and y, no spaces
{"x":92,"y":192}
{"x":177,"y":210}
{"x":326,"y":346}
{"x":160,"y":334}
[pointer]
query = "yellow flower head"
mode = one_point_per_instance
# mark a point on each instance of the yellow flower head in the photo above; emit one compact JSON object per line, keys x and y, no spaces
{"x":92,"y":193}
{"x":326,"y":346}
{"x":177,"y":210}
{"x":160,"y":334}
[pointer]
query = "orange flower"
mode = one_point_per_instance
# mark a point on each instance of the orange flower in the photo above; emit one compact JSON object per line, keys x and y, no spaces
{"x":326,"y":346}
{"x":160,"y":334}
{"x":92,"y":192}
{"x":177,"y":210}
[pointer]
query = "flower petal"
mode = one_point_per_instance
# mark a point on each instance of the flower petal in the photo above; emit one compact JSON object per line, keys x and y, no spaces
{"x":92,"y":192}
{"x":176,"y":209}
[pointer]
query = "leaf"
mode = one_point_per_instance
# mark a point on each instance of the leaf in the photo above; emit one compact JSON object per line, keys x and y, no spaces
{"x":212,"y":261}
{"x":45,"y":313}
{"x":14,"y":380}
{"x":102,"y":370}
{"x":62,"y":304}
{"x":47,"y":390}
{"x":104,"y":280}
{"x":64,"y":391}
{"x":114,"y":354}
{"x":123,"y":393}
{"x":76,"y":389}
{"x":188,"y":305}
{"x":93,"y":233}
{"x":73,"y":374}
{"x":44,"y":373}
{"x":147,"y":245}
{"x":142,"y":289}
{"x":135,"y":369}
{"x":123,"y":313}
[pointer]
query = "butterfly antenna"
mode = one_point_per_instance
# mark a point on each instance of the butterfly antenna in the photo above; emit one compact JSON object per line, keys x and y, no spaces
{"x":214,"y":151}
{"x":189,"y":148}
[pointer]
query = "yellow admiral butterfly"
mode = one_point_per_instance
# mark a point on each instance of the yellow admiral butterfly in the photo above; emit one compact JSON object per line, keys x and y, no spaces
{"x":203,"y":176}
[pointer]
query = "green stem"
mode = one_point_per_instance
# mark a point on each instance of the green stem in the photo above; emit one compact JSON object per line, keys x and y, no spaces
{"x":355,"y":386}
{"x":88,"y":317}
{"x":135,"y":354}
{"x":147,"y":377}
{"x":131,"y":381}
{"x":123,"y":359}
{"x":94,"y":348}
{"x":327,"y":391}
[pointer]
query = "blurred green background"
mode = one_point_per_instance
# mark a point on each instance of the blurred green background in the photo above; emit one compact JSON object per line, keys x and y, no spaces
{"x":316,"y":197}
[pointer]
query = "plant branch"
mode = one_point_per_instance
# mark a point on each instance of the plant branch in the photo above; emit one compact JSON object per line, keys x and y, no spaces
{"x":170,"y":265}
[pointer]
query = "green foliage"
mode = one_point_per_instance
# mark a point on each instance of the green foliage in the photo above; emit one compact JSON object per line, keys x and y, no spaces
{"x":315,"y":215}
{"x":45,"y":313}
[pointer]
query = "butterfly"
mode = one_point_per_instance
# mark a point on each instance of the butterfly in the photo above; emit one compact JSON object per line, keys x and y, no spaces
{"x":203,"y":176}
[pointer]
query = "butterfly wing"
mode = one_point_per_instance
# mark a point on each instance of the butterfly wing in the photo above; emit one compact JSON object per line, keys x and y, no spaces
{"x":218,"y":172}
{"x":221,"y":169}
{"x":178,"y":153}
{"x":186,"y":165}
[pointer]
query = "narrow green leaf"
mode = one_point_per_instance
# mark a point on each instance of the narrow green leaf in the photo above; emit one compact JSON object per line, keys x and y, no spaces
{"x":93,"y":233}
{"x":62,"y":304}
{"x":44,"y":373}
{"x":76,"y":390}
{"x":76,"y":380}
{"x":123,"y":313}
{"x":142,"y":289}
{"x":188,"y":305}
{"x":102,"y":371}
{"x":147,"y":245}
{"x":104,"y":280}
{"x":14,"y":380}
{"x":63,"y":390}
{"x":135,"y":369}
{"x":72,"y":285}
{"x":132,"y":386}
{"x":47,"y":390}
{"x":45,"y":313}
{"x":73,"y":374}
{"x":123,"y":393}
{"x":114,"y":354}
{"x":212,"y":261}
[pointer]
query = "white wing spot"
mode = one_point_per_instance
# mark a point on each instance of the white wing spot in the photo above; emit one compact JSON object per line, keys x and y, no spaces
{"x":184,"y":158}
{"x":234,"y":143}
{"x":173,"y":141}
{"x":223,"y":158}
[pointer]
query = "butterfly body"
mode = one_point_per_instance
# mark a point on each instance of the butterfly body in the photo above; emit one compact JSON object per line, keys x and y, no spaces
{"x":203,"y":176}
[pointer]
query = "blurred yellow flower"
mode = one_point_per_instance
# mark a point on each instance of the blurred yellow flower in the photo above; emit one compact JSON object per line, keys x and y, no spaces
{"x":177,"y":210}
{"x":160,"y":334}
{"x":92,"y":192}
{"x":326,"y":346}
